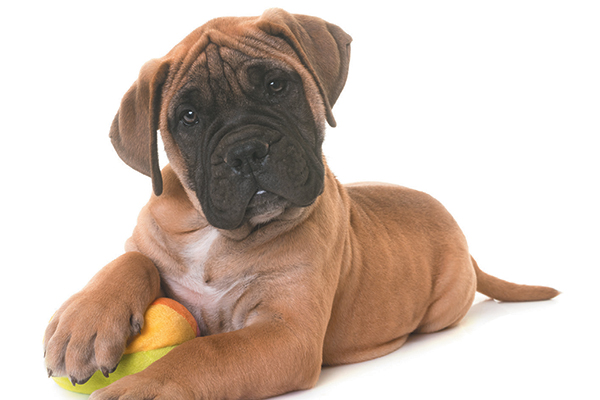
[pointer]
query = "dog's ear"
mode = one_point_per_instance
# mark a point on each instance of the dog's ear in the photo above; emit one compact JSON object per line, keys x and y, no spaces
{"x":323,"y":48}
{"x":134,"y":130}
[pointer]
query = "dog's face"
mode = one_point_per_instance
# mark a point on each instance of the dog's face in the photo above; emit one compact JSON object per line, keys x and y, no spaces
{"x":250,"y":145}
{"x":241,"y":104}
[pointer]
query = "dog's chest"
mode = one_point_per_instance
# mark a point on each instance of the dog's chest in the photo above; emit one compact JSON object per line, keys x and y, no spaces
{"x":210,"y":302}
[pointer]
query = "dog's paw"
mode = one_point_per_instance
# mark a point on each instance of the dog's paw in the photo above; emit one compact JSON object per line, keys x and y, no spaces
{"x":88,"y":334}
{"x":143,"y":386}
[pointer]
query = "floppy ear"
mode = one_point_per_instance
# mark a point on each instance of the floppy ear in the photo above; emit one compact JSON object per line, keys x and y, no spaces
{"x":134,"y":130}
{"x":323,"y":48}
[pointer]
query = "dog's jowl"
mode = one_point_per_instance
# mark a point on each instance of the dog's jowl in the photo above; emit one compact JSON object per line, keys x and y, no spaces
{"x":283,"y":268}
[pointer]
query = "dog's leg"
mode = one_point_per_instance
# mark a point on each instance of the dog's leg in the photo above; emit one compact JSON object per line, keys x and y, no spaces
{"x":89,"y":332}
{"x":275,"y":353}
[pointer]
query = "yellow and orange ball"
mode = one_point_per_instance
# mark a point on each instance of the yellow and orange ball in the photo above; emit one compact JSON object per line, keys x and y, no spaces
{"x":166,"y":325}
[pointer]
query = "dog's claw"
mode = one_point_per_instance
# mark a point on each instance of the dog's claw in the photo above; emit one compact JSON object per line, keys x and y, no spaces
{"x":78,"y":382}
{"x":136,"y":325}
{"x":106,"y":372}
{"x":49,"y":372}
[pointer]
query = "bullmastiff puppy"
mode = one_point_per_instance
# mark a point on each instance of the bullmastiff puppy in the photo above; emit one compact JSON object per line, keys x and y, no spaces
{"x":284,"y":268}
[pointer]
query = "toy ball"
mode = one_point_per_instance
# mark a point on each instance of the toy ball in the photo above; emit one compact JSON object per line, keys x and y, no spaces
{"x":166,"y":325}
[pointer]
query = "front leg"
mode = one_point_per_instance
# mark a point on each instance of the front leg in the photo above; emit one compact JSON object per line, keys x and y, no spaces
{"x":89,"y":332}
{"x":275,"y":354}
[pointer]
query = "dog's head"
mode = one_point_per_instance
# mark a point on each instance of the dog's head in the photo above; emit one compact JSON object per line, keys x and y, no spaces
{"x":241,"y":104}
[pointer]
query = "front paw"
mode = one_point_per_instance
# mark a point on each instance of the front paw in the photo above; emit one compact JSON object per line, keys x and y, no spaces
{"x":88,"y":334}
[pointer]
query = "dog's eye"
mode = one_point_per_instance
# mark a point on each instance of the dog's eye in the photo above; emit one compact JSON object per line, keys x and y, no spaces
{"x":276,"y":86}
{"x":189,"y":117}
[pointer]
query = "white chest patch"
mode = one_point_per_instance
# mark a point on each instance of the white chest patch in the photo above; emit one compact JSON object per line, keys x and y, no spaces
{"x":190,"y":288}
{"x":196,"y":252}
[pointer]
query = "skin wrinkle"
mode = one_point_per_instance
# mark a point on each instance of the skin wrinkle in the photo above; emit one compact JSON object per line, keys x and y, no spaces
{"x":229,"y":71}
{"x":216,"y":75}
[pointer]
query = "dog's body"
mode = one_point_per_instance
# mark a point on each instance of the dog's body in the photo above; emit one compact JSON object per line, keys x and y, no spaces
{"x":284,"y":268}
{"x":222,"y":279}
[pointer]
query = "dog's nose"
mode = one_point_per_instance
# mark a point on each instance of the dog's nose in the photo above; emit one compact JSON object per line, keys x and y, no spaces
{"x":248,"y":152}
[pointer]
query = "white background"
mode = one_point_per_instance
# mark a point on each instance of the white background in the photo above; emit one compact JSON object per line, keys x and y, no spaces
{"x":492,"y":107}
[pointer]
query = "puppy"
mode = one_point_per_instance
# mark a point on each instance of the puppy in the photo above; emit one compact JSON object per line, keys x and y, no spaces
{"x":284,"y":268}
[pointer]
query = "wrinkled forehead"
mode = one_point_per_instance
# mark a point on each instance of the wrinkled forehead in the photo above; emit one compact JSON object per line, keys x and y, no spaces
{"x":212,"y":48}
{"x":217,"y":61}
{"x":222,"y":75}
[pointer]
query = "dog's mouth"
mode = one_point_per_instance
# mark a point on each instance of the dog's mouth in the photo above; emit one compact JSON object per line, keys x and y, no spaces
{"x":264,"y":206}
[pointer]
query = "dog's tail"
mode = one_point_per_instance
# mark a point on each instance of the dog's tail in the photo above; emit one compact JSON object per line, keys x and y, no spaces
{"x":507,"y":291}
